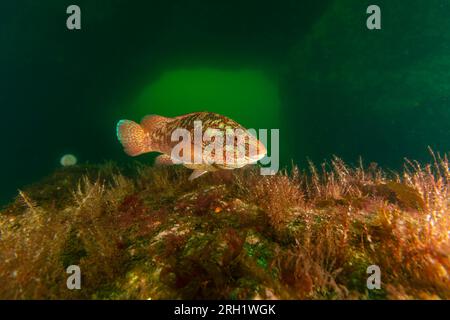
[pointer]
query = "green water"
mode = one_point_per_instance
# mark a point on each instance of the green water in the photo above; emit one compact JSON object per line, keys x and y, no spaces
{"x":311,"y":69}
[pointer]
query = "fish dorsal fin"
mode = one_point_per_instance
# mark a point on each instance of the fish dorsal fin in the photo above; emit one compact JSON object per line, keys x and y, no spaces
{"x":196,"y":173}
{"x":152,"y":122}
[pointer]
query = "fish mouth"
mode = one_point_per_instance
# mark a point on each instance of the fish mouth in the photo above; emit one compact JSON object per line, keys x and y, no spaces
{"x":256,"y":158}
{"x":261,"y":154}
{"x":262,"y":151}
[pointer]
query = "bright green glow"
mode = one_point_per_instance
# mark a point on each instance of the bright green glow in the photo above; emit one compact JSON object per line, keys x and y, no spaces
{"x":247,"y":96}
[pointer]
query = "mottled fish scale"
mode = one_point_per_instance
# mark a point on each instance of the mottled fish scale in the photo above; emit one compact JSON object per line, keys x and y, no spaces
{"x":155,"y":134}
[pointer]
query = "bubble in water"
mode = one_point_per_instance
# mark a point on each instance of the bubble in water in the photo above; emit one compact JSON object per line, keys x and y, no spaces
{"x":68,"y":160}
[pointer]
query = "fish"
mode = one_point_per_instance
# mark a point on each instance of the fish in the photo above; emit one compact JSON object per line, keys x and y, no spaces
{"x":224,"y":144}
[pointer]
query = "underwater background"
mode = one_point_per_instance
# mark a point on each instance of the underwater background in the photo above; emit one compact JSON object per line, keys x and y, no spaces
{"x":71,"y":199}
{"x":310,"y":68}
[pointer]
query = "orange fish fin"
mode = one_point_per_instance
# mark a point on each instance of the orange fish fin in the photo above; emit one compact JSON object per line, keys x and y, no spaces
{"x":196,"y":173}
{"x":132,"y":137}
{"x":152,"y":122}
{"x":163,"y":160}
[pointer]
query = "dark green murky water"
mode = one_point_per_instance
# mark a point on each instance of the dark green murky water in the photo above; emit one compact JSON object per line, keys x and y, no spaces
{"x":310,"y":68}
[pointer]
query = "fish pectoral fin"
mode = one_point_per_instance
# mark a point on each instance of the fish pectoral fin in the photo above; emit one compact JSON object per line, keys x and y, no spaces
{"x":196,"y":173}
{"x":163,"y":160}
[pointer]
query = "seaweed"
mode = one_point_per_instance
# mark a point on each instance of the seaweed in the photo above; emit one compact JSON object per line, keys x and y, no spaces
{"x":149,"y":233}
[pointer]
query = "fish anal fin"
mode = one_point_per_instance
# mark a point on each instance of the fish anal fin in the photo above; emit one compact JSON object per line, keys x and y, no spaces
{"x":163,"y":160}
{"x":196,"y":173}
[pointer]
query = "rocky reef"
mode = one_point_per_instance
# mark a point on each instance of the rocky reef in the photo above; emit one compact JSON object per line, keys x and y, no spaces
{"x":148,"y":233}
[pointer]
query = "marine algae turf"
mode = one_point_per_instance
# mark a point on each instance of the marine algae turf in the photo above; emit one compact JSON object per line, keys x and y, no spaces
{"x":148,"y":233}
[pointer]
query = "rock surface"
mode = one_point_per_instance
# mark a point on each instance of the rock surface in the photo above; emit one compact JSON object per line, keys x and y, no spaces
{"x":149,"y":233}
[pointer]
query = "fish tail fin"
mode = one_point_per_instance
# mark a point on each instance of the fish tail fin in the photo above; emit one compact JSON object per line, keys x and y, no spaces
{"x":132,"y":137}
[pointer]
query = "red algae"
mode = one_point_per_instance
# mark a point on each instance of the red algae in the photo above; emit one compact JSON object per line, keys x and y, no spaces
{"x":151,"y":234}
